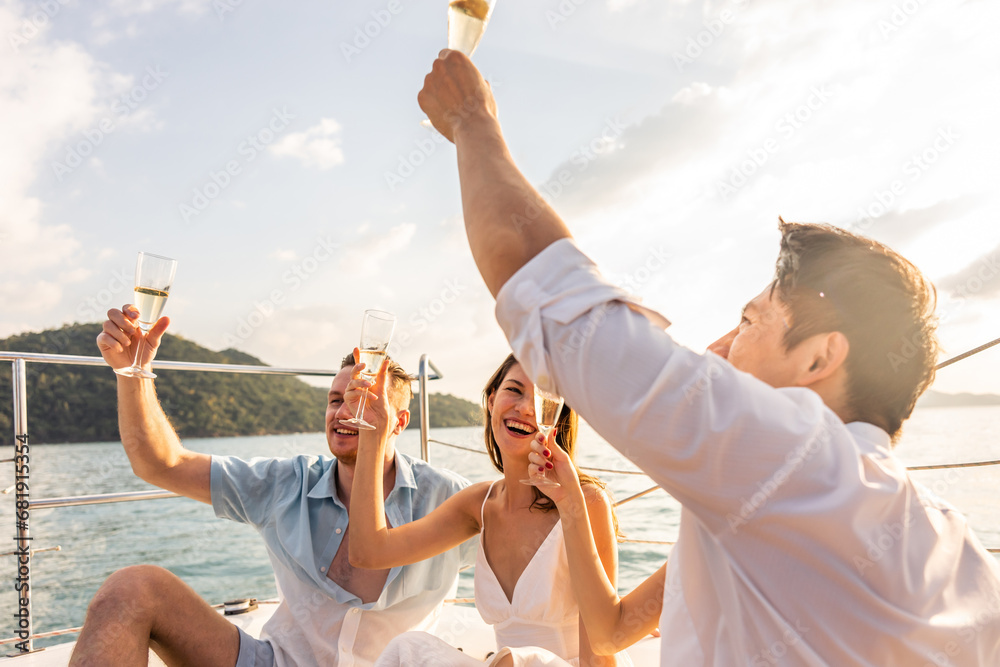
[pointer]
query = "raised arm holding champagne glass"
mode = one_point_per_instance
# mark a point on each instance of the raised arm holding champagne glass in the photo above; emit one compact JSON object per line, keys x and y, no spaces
{"x":777,"y":442}
{"x":154,"y":276}
{"x":467,"y":21}
{"x":521,"y":581}
{"x":376,"y":333}
{"x":330,"y":612}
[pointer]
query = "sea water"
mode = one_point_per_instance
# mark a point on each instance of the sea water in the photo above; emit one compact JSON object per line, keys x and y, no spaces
{"x":222,"y":560}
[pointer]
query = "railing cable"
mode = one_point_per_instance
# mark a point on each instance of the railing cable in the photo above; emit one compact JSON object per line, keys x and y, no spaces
{"x":964,"y":355}
{"x":637,"y":495}
{"x":942,"y":466}
{"x":937,"y":466}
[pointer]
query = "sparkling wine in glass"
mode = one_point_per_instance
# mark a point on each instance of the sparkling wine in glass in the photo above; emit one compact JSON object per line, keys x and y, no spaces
{"x":548,"y":407}
{"x":467,"y":21}
{"x":154,"y":276}
{"x":376,"y":332}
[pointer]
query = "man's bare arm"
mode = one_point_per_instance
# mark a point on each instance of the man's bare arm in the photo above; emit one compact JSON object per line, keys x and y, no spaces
{"x":152,"y":446}
{"x":506,"y":220}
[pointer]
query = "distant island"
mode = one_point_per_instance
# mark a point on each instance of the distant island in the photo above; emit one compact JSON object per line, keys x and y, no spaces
{"x":77,"y":403}
{"x":937,"y":399}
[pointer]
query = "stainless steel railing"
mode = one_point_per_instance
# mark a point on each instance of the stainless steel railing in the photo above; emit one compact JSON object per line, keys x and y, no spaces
{"x":23,"y":504}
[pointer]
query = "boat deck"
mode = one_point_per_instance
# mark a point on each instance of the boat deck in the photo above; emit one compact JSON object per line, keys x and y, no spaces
{"x":477,"y":641}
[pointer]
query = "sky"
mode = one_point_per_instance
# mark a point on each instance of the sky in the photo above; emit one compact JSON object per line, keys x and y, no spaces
{"x":275,"y":149}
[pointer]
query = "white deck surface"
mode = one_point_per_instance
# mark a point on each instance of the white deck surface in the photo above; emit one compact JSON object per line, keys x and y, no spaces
{"x":477,"y":640}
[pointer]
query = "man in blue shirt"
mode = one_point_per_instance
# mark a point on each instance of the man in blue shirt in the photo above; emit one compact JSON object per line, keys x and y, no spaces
{"x":330,"y":612}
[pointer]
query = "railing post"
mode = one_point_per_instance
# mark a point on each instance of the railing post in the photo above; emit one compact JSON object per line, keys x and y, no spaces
{"x":425,"y":418}
{"x":22,"y":580}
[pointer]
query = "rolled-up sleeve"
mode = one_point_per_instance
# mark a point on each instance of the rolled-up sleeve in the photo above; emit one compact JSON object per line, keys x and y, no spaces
{"x":705,"y":432}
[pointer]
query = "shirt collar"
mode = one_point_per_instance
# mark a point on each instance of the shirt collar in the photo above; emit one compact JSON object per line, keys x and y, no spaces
{"x":326,"y":485}
{"x":871,"y":434}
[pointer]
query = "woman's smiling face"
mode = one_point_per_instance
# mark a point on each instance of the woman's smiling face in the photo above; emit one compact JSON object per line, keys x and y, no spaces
{"x":512,"y":411}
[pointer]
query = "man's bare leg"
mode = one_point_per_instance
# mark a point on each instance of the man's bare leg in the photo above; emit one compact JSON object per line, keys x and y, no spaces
{"x":145,"y":606}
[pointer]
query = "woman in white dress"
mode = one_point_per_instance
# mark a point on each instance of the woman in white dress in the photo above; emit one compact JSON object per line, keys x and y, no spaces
{"x":521,"y":580}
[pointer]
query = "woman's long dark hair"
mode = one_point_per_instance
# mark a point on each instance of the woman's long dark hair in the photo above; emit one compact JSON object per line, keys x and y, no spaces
{"x":566,"y":432}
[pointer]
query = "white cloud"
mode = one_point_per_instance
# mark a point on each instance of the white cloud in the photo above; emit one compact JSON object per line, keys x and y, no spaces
{"x":121,"y":18}
{"x":29,"y":297}
{"x":368,"y":255}
{"x":319,"y":146}
{"x":619,"y":5}
{"x":46,"y":92}
{"x":53,"y":96}
{"x":131,"y":7}
{"x":284,"y":255}
{"x":979,"y":280}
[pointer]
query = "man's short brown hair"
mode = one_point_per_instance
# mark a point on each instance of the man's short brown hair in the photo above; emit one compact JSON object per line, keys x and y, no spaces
{"x":833,"y":280}
{"x":400,"y":391}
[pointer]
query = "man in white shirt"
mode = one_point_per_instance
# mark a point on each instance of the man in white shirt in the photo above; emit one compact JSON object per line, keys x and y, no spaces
{"x":330,"y":613}
{"x":803,"y":540}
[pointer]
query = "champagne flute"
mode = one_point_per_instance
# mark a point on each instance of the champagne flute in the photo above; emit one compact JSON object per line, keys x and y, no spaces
{"x":154,"y":275}
{"x":548,"y":407}
{"x":467,"y":20}
{"x":376,"y":332}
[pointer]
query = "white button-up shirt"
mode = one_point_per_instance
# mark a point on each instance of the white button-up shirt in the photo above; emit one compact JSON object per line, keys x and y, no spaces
{"x":803,"y":540}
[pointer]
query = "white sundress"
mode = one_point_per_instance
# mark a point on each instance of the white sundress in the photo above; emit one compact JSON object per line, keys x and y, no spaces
{"x":538,"y":626}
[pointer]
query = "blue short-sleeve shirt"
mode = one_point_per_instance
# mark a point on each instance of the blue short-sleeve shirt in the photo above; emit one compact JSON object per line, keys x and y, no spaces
{"x":293,"y":504}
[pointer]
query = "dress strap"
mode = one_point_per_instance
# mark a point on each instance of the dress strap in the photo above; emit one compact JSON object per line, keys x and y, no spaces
{"x":482,"y":517}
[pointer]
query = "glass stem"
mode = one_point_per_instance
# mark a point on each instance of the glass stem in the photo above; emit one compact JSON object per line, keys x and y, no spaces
{"x":361,"y":408}
{"x":138,"y":351}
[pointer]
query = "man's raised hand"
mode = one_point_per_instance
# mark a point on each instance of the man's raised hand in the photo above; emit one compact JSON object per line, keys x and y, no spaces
{"x":376,"y":402}
{"x":455,"y":93}
{"x":120,"y":338}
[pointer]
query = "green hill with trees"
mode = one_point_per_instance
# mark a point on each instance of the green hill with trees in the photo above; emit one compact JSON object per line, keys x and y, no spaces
{"x":78,"y":403}
{"x":447,"y":410}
